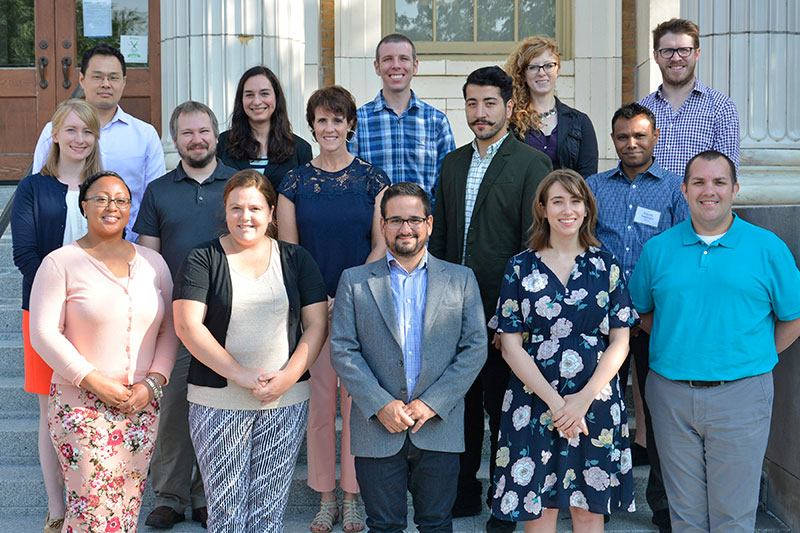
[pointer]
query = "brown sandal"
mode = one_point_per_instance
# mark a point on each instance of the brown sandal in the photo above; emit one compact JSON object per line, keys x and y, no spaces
{"x":327,"y":515}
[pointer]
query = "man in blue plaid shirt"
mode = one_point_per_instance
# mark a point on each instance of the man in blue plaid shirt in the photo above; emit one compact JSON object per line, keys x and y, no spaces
{"x":692,"y":118}
{"x":397,"y":131}
{"x":638,"y":200}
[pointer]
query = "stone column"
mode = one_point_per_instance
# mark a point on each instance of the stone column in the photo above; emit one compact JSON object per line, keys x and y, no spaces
{"x":206,"y":45}
{"x":751,"y":51}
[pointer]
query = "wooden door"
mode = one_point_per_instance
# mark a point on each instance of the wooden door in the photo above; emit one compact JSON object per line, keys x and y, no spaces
{"x":41,"y":44}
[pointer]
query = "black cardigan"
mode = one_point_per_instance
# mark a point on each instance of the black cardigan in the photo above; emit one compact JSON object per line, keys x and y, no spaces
{"x":205,"y":277}
{"x":275,"y":172}
{"x":577,"y":142}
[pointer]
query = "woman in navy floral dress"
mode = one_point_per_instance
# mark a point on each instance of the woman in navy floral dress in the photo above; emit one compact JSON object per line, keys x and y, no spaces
{"x":564,"y":319}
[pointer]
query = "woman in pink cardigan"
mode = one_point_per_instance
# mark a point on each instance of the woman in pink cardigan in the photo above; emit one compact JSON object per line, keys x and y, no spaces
{"x":101,"y":318}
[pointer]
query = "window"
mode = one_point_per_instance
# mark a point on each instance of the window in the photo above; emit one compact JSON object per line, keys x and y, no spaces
{"x":475,"y":27}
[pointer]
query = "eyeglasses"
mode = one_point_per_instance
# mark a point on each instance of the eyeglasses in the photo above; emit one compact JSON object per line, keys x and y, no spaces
{"x":397,"y":222}
{"x":683,"y":52}
{"x":104,"y":201}
{"x":547,"y":67}
{"x":112,"y":78}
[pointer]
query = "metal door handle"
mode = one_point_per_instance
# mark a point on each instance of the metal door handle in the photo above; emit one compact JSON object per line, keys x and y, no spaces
{"x":66,"y":62}
{"x":42,"y":63}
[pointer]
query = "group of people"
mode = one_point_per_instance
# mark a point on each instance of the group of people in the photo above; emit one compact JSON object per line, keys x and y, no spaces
{"x":198,"y":323}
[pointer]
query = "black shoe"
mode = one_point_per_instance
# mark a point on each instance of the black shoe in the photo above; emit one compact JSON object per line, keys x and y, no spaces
{"x":201,"y":515}
{"x":164,"y":517}
{"x":495,"y":525}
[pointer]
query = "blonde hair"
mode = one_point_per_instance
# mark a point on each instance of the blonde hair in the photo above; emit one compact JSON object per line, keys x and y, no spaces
{"x":524,"y":117}
{"x":575,"y":185}
{"x":87,"y":114}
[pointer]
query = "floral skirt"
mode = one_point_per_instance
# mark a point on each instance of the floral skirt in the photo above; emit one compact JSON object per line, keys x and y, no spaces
{"x":104,"y":456}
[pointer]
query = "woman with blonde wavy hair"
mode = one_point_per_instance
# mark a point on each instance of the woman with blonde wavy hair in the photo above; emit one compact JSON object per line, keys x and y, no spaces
{"x":540,"y":119}
{"x":46,"y":216}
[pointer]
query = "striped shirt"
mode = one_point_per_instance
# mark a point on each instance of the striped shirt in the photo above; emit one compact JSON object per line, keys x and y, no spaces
{"x":707,"y":120}
{"x":408,"y":293}
{"x":477,"y":169}
{"x":620,"y":200}
{"x":409,"y":147}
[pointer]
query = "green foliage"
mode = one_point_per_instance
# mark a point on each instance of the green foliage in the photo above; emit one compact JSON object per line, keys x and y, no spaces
{"x":17,"y":47}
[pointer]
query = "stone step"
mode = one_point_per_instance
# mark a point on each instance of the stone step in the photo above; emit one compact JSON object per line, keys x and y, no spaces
{"x":19,"y":441}
{"x":10,"y":315}
{"x":23,"y":507}
{"x":12,"y":358}
{"x":14,"y":399}
{"x":10,"y":281}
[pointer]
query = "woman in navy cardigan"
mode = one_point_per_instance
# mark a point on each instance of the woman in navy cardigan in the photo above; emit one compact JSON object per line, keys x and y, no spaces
{"x":45,"y":216}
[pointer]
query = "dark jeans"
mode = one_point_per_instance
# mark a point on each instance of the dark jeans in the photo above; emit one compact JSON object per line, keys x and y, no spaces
{"x":655,"y":493}
{"x":430,"y":476}
{"x":485,"y":394}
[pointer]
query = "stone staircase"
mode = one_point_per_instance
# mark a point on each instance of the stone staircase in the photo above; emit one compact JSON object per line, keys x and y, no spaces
{"x":22,"y":497}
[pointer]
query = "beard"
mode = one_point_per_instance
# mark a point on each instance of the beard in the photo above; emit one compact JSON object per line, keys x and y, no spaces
{"x":197,"y":161}
{"x":494,"y":127}
{"x":678,"y":80}
{"x":407,"y":248}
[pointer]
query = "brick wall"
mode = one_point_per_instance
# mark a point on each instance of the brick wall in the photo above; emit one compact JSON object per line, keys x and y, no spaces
{"x":326,"y":42}
{"x":628,"y":51}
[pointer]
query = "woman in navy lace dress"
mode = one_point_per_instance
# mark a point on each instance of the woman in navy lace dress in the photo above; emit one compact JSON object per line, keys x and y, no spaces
{"x":564,"y":318}
{"x":331,"y":206}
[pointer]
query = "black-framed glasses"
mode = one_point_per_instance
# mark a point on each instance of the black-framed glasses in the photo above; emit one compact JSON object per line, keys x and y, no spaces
{"x":683,"y":52}
{"x":547,"y":67}
{"x":397,"y":222}
{"x":103,"y":201}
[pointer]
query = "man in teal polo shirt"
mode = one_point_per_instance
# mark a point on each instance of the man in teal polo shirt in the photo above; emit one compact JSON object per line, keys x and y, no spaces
{"x":721,"y":297}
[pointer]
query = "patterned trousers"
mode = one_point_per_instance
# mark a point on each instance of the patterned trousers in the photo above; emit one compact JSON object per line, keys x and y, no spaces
{"x":247,"y":459}
{"x":104,"y":455}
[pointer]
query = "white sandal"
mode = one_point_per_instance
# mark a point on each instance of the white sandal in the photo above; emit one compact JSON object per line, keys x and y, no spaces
{"x":351,"y":516}
{"x":327,"y":515}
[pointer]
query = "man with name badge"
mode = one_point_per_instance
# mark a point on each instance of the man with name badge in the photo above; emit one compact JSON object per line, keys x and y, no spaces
{"x":636,"y":201}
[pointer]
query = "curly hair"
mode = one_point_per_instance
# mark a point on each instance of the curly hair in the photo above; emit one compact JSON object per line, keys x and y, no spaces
{"x":524,"y":117}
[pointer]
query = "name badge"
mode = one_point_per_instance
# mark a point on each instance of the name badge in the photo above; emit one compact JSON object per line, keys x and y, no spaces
{"x":648,"y":217}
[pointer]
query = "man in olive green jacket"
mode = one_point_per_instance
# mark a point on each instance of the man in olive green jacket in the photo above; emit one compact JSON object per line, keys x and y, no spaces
{"x":481,"y":219}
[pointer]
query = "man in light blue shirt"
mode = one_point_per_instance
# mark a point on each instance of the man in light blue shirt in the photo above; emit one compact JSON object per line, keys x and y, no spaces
{"x":636,"y":201}
{"x":721,"y":297}
{"x":128,"y":146}
{"x":407,"y":340}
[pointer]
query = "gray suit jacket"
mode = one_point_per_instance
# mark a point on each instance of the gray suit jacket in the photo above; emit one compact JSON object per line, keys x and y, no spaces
{"x":366,"y":352}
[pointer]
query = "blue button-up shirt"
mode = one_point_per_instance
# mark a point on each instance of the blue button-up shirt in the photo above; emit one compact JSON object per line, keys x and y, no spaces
{"x":409,"y":147}
{"x":619,"y":199}
{"x":408,"y":292}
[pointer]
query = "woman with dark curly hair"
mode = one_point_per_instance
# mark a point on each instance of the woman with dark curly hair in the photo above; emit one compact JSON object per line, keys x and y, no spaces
{"x":331,"y":207}
{"x":261,"y":136}
{"x":540,"y":119}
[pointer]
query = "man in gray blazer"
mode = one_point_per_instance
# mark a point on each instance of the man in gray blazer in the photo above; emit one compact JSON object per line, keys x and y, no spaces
{"x":408,"y":339}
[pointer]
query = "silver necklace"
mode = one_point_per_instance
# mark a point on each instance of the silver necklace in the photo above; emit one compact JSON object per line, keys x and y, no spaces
{"x":548,"y":114}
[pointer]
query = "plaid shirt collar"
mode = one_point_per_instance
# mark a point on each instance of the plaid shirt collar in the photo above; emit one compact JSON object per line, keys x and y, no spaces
{"x":655,"y":170}
{"x":379,"y":103}
{"x":698,"y":88}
